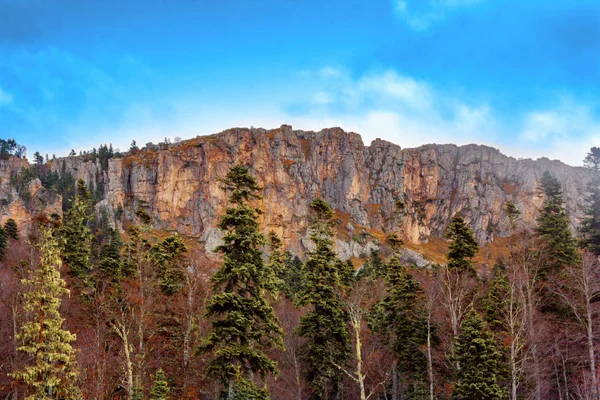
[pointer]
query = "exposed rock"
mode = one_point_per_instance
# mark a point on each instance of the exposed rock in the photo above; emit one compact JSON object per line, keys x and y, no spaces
{"x":179,"y":186}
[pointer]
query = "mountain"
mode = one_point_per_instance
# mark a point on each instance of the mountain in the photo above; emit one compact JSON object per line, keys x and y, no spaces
{"x":177,"y":184}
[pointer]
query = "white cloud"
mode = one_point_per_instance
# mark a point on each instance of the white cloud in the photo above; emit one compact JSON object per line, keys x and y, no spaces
{"x":5,"y":98}
{"x":429,"y":12}
{"x":412,"y":112}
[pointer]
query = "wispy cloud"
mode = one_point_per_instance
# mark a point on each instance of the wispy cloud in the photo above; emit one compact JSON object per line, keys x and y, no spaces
{"x":412,"y":112}
{"x":421,"y":14}
{"x":5,"y":97}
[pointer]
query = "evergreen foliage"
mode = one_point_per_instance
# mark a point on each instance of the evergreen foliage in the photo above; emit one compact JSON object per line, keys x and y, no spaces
{"x":244,"y":324}
{"x":167,"y":256}
{"x":479,"y":360}
{"x":51,"y":371}
{"x":494,"y":303}
{"x":401,"y":320}
{"x":3,"y":243}
{"x":11,"y":229}
{"x":291,"y":276}
{"x":553,"y":228}
{"x":463,"y":247}
{"x":76,"y":234}
{"x":589,"y":229}
{"x":276,"y":264}
{"x":324,"y":326}
{"x":160,"y":389}
{"x":110,"y":255}
{"x":374,"y":267}
{"x":513,"y":213}
{"x":592,"y":160}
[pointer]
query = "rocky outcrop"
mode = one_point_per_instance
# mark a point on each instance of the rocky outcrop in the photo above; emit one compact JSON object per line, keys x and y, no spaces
{"x":179,"y":185}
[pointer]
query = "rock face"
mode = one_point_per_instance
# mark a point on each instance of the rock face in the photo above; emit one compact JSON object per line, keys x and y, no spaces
{"x":178,"y":184}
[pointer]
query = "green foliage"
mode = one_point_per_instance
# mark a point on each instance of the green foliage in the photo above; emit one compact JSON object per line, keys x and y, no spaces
{"x":479,"y":360}
{"x":291,"y":276}
{"x":51,"y":368}
{"x":245,"y":389}
{"x":373,"y":268}
{"x":276,"y":264}
{"x":11,"y":229}
{"x":160,"y":389}
{"x":110,"y":255}
{"x":3,"y":243}
{"x":553,"y":228}
{"x":167,"y":256}
{"x":400,"y":318}
{"x":144,"y":217}
{"x":513,"y":213}
{"x":324,"y":326}
{"x":76,"y":235}
{"x":592,"y":160}
{"x":244,"y":324}
{"x":589,"y":229}
{"x":463,"y":247}
{"x":494,"y":303}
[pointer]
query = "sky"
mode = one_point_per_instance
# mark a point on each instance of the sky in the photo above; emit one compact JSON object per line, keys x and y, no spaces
{"x":521,"y":76}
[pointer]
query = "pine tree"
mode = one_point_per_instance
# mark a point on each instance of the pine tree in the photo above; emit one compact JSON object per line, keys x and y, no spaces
{"x":276,"y":264}
{"x":167,"y":255}
{"x":553,"y":228}
{"x":401,"y":320}
{"x":324,"y":326}
{"x":374,"y":267}
{"x":76,"y":234}
{"x":160,"y":389}
{"x":463,"y":247}
{"x":292,"y":278}
{"x":110,"y":255}
{"x":589,"y":229}
{"x":11,"y":229}
{"x":494,"y":303}
{"x":3,"y":243}
{"x":52,"y":368}
{"x":244,"y":325}
{"x":479,"y":360}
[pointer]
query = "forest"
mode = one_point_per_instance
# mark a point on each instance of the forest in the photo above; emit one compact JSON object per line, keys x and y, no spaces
{"x":92,"y":311}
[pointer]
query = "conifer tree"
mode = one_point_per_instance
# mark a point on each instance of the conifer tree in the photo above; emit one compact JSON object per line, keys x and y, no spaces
{"x":292,"y":278}
{"x":3,"y":243}
{"x":76,"y":234}
{"x":110,"y":255}
{"x":476,"y":352}
{"x":11,"y":229}
{"x":401,"y":319}
{"x":51,"y":372}
{"x":553,"y":228}
{"x":463,"y":247}
{"x":160,"y":389}
{"x":167,"y":256}
{"x":589,"y":229}
{"x":324,"y":326}
{"x":275,"y":264}
{"x":244,"y":324}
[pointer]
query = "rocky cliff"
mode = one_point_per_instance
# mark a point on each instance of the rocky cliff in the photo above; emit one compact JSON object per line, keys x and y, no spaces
{"x":177,"y":184}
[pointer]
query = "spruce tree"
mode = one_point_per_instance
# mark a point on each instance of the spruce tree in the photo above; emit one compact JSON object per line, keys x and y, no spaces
{"x":589,"y":229}
{"x":276,"y":264}
{"x":244,"y":324}
{"x":110,"y":255}
{"x":291,"y":276}
{"x":51,"y":371}
{"x":463,"y":247}
{"x":160,"y":389}
{"x":11,"y":229}
{"x":401,"y":320}
{"x":167,"y":256}
{"x":553,"y":228}
{"x":479,"y":360}
{"x":327,"y":344}
{"x":76,"y":234}
{"x":3,"y":243}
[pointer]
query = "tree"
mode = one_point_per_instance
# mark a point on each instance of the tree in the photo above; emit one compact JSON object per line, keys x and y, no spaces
{"x":110,"y":255}
{"x":592,"y":160}
{"x":160,"y":389}
{"x":553,"y":227}
{"x":72,"y":153}
{"x":52,"y":369}
{"x":463,"y":246}
{"x":38,"y":158}
{"x":11,"y":229}
{"x":324,"y":326}
{"x":167,"y":256}
{"x":244,"y":324}
{"x":400,"y":317}
{"x":76,"y":234}
{"x":479,"y":359}
{"x":3,"y":243}
{"x":134,"y":146}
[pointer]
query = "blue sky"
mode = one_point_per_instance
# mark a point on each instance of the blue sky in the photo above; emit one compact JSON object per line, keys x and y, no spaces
{"x":520,"y":76}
